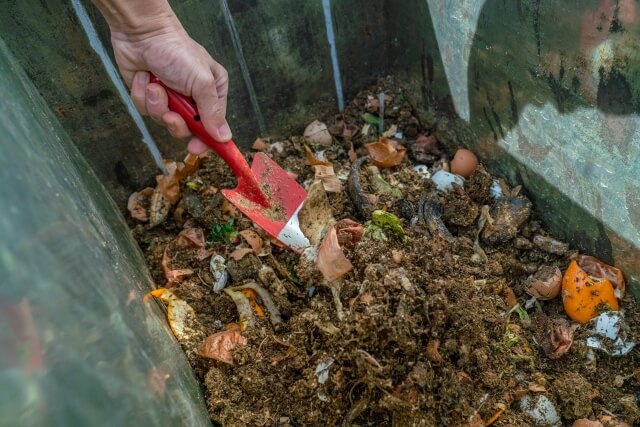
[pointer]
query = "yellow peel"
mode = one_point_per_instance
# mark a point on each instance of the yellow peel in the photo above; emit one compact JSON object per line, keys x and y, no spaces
{"x":179,"y":314}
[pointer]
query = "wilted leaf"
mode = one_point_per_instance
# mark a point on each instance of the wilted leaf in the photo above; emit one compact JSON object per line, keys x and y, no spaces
{"x":386,"y":153}
{"x":220,"y":345}
{"x":259,"y":145}
{"x":136,"y":203}
{"x":427,"y":145}
{"x":349,"y":233}
{"x":173,"y":276}
{"x":169,"y":185}
{"x":343,"y":130}
{"x":353,"y":156}
{"x":433,"y":354}
{"x":332,"y":262}
{"x":253,"y":239}
{"x":313,"y":160}
{"x":191,"y":238}
{"x":555,"y":336}
{"x":240,"y":253}
{"x":537,"y":388}
{"x":328,"y":177}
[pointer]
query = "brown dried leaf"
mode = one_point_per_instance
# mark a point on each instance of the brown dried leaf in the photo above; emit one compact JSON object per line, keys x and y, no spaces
{"x":240,"y":253}
{"x":561,"y":338}
{"x":386,"y":153}
{"x":169,"y":185}
{"x":353,"y":156}
{"x":259,"y":145}
{"x":349,"y":233}
{"x":328,"y":177}
{"x":173,"y":276}
{"x":135,"y":204}
{"x":432,"y":352}
{"x":332,"y":262}
{"x":427,"y":144}
{"x":253,"y":239}
{"x":312,"y":160}
{"x":220,"y":345}
{"x":191,"y":238}
{"x":537,"y":388}
{"x":229,"y":209}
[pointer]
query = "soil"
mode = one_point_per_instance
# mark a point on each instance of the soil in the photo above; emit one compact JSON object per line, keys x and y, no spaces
{"x":429,"y":336}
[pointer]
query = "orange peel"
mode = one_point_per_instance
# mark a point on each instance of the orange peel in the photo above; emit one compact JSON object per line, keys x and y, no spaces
{"x":584,"y":296}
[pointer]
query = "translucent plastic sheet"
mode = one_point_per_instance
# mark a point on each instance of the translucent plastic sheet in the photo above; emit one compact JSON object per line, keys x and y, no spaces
{"x":78,"y":346}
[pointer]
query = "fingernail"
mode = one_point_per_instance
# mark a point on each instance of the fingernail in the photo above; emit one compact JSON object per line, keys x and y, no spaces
{"x":153,"y":96}
{"x":225,"y":132}
{"x":141,"y":79}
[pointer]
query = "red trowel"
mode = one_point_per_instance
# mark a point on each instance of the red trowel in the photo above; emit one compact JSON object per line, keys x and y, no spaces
{"x":265,"y":193}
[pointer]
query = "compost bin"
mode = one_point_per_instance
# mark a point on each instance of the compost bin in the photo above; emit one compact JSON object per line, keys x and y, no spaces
{"x":546,"y":93}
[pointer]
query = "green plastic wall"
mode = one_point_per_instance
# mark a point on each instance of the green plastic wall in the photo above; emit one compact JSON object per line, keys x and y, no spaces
{"x":91,"y":352}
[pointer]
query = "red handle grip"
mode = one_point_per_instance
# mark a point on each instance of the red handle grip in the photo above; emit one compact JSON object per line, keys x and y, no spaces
{"x":187,"y":108}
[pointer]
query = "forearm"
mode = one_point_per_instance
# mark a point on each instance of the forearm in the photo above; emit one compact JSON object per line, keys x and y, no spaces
{"x":138,"y":17}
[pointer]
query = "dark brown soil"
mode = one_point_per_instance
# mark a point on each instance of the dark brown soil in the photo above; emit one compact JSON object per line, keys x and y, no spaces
{"x":428,"y":337}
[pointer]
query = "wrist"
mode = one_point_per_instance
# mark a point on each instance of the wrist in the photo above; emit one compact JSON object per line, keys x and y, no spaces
{"x":138,"y":20}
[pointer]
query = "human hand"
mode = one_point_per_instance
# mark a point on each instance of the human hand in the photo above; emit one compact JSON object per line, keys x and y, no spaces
{"x":165,"y":49}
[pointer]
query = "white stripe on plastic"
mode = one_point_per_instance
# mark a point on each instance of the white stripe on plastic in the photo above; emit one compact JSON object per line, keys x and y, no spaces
{"x":237,"y":47}
{"x":328,"y":20}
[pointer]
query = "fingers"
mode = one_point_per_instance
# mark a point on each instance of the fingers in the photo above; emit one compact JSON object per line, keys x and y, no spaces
{"x":196,"y":146}
{"x":138,"y":91}
{"x":175,"y":124}
{"x":157,"y":102}
{"x":210,"y":93}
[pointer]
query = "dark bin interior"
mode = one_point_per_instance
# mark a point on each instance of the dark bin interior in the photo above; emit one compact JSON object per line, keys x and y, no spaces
{"x":546,"y":93}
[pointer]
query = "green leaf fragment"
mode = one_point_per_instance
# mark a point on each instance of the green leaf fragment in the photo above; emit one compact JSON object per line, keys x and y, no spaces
{"x":371,"y":119}
{"x":224,"y":233}
{"x":193,"y":185}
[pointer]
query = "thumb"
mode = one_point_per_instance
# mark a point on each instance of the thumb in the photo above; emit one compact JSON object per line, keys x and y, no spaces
{"x":212,"y":108}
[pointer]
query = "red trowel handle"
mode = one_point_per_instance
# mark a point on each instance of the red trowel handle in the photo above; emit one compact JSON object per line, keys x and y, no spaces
{"x":186,"y":107}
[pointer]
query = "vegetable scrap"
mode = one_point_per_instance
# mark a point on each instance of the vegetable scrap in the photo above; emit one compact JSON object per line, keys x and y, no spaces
{"x":430,"y":294}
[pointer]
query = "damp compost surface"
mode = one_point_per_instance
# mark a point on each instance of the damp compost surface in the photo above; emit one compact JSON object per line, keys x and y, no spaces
{"x":427,"y":329}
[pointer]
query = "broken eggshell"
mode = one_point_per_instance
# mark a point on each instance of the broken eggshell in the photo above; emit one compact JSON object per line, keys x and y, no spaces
{"x":318,"y":133}
{"x":444,"y":180}
{"x":541,"y":410}
{"x":423,"y":171}
{"x":545,"y":284}
{"x":610,"y":327}
{"x":219,"y":272}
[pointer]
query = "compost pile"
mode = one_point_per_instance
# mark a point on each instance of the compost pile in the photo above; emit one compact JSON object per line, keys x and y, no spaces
{"x":430,"y":296}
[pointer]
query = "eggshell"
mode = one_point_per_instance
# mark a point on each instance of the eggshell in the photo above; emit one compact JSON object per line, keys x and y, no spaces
{"x":584,"y":296}
{"x":545,"y":283}
{"x":464,"y":163}
{"x":318,"y":133}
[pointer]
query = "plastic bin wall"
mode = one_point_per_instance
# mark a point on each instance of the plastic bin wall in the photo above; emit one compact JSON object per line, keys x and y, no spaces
{"x":548,"y":94}
{"x":78,"y":346}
